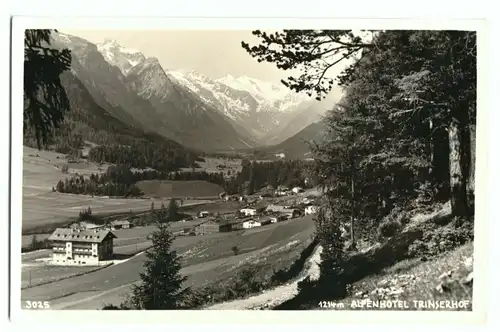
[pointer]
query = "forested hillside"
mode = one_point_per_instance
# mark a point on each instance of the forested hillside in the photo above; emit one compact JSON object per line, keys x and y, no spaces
{"x":116,"y":141}
{"x":397,"y":144}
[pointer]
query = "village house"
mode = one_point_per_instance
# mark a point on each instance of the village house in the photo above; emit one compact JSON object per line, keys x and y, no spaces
{"x":310,"y":209}
{"x":256,"y":224}
{"x":247,"y":224}
{"x":251,"y":224}
{"x":207,"y":228}
{"x":248,"y":211}
{"x":203,"y":214}
{"x":266,"y":220}
{"x":120,"y":224}
{"x":82,"y":225}
{"x":277,"y":208}
{"x":231,"y":226}
{"x":81,"y":247}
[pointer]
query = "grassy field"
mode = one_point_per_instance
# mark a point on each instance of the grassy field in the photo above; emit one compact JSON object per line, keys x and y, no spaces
{"x":36,"y":274}
{"x":49,"y":209}
{"x":281,"y":234}
{"x":42,"y":207}
{"x":216,"y":207}
{"x":206,"y":260}
{"x":179,"y":189}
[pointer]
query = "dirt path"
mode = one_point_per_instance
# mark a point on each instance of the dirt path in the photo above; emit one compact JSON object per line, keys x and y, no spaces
{"x":275,"y":296}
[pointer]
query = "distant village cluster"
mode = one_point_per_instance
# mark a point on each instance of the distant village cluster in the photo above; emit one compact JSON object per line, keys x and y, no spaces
{"x":86,"y":243}
{"x":258,"y":210}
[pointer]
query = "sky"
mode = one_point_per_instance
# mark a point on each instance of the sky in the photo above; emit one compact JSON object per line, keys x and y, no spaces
{"x":215,"y":53}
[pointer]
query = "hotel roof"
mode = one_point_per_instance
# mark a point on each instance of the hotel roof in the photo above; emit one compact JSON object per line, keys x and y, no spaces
{"x":75,"y":235}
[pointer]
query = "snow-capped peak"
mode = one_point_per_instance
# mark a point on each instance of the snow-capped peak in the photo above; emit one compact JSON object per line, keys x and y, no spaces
{"x":119,"y":56}
{"x":262,"y":91}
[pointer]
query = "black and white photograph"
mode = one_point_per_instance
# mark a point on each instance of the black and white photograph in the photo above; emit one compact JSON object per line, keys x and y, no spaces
{"x":246,"y":169}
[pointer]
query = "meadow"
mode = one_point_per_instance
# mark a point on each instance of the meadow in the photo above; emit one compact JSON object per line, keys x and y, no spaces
{"x":43,"y":210}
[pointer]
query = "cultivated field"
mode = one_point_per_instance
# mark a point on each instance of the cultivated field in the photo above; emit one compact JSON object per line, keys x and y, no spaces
{"x":206,"y":259}
{"x":179,"y":189}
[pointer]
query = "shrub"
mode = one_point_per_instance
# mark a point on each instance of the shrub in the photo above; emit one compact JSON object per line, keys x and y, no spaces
{"x":389,"y":228}
{"x":442,"y":239}
{"x":305,"y":285}
{"x":65,"y":168}
{"x":36,"y":244}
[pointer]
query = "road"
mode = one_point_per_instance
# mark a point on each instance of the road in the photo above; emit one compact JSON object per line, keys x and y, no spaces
{"x":275,"y":296}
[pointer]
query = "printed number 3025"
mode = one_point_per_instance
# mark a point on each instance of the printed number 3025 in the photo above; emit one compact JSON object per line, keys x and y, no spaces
{"x":37,"y":305}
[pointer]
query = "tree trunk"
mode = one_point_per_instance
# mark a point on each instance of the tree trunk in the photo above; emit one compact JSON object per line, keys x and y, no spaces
{"x":458,"y":167}
{"x":471,"y":179}
{"x":353,"y":240}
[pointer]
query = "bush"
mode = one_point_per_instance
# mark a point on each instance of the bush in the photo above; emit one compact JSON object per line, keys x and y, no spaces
{"x":442,"y":239}
{"x":36,"y":244}
{"x":65,"y":169}
{"x":389,"y":228}
{"x":305,"y":285}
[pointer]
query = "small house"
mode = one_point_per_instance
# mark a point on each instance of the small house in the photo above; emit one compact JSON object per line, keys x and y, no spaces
{"x":203,"y":214}
{"x":276,"y":208}
{"x":266,"y":220}
{"x":231,"y":226}
{"x":120,"y":224}
{"x":248,"y":211}
{"x":251,"y":224}
{"x":311,"y":209}
{"x":207,"y":228}
{"x":256,"y":224}
{"x":247,"y":224}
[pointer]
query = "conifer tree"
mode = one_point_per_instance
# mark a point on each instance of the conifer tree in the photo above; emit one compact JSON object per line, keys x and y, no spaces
{"x":173,"y":210}
{"x":161,"y":282}
{"x":45,"y":99}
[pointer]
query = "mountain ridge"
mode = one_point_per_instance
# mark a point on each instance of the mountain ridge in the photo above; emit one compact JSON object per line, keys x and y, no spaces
{"x":138,"y":104}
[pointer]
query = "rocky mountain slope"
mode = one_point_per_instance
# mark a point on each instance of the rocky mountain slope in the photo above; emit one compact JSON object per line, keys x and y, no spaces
{"x":145,"y":97}
{"x":187,"y":116}
{"x":209,"y":114}
{"x":269,"y":112}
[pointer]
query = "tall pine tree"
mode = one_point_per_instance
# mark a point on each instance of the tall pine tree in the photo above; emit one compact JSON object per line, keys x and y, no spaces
{"x":161,"y":282}
{"x":45,"y":100}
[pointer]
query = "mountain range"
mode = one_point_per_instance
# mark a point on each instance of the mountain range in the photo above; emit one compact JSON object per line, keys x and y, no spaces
{"x":229,"y":113}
